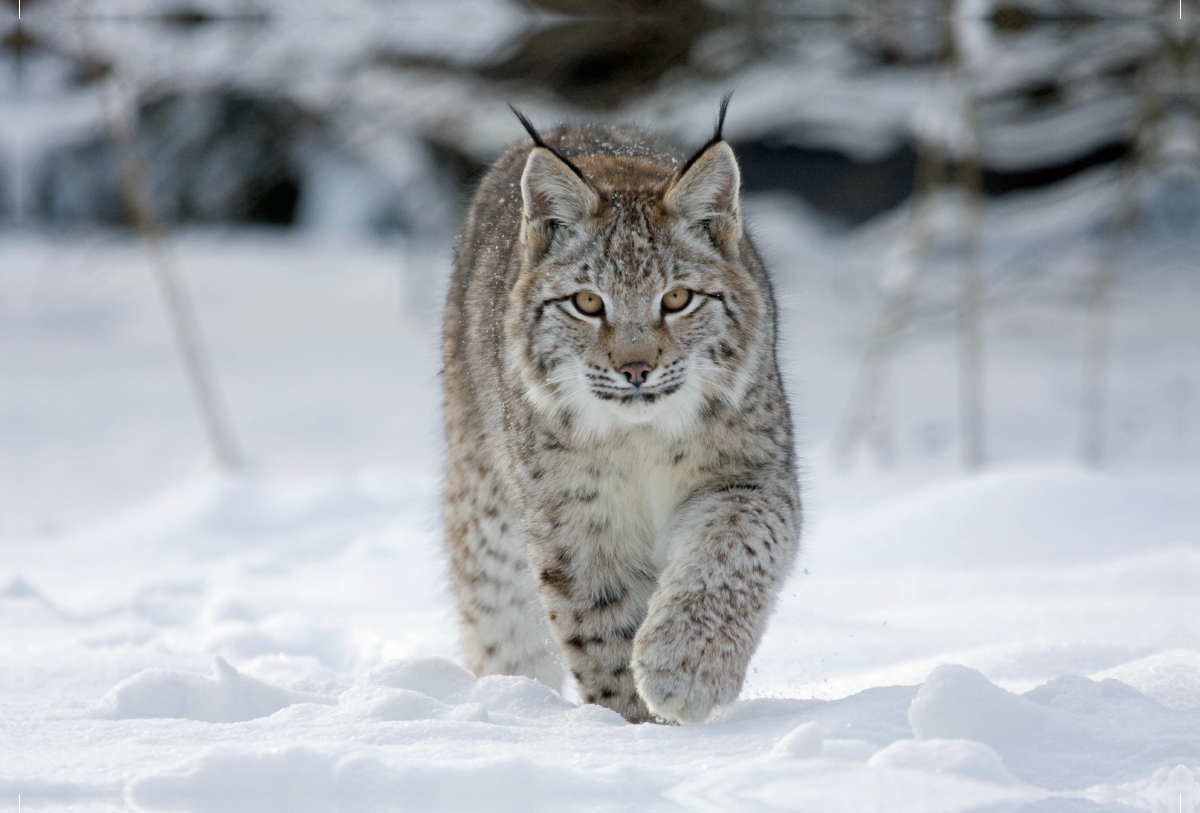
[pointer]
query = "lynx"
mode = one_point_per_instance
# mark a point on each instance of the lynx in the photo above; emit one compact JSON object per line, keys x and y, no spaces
{"x":621,"y":494}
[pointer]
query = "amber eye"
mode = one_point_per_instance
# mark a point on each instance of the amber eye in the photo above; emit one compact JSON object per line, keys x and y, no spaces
{"x":676,"y":300}
{"x":588,"y":303}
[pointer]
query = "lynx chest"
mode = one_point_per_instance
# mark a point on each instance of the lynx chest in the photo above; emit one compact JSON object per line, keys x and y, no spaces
{"x":627,"y":490}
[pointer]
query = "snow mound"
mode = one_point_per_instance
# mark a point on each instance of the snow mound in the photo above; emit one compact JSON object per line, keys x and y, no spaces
{"x":968,"y":758}
{"x":1072,"y":693}
{"x":437,"y":687}
{"x":436,"y":677}
{"x":1169,"y":788}
{"x":382,"y":704}
{"x":22,"y":603}
{"x":1042,"y":735}
{"x":973,"y":746}
{"x":803,"y":741}
{"x":959,"y":703}
{"x":19,"y":588}
{"x":230,"y":697}
{"x":1172,"y":678}
{"x":807,"y":741}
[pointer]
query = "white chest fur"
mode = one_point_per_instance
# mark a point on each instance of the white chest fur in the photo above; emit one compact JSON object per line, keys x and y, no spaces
{"x":642,"y":480}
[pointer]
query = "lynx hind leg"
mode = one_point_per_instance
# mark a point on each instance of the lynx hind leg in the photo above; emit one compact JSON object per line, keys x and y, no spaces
{"x":503,"y":628}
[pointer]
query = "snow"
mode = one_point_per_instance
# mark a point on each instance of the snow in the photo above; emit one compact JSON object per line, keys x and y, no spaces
{"x":230,"y":697}
{"x":842,"y":784}
{"x":283,"y":638}
{"x":955,"y":702}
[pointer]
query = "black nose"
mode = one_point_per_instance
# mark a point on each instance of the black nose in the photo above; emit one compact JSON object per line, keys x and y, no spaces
{"x":635,"y":372}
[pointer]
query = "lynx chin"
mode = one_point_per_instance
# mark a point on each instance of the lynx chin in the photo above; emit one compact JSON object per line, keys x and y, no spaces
{"x":621,"y":494}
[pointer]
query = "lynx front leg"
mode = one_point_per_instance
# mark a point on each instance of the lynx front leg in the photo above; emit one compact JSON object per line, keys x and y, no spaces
{"x":735,"y":547}
{"x":594,"y":605}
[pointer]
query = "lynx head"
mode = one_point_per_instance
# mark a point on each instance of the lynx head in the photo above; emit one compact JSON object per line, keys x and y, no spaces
{"x":634,"y":302}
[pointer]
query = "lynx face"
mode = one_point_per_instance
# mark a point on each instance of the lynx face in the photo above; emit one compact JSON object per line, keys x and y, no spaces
{"x":632,"y":305}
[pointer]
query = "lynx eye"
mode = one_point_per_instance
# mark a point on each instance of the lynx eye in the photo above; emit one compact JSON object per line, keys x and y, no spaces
{"x":676,"y":300}
{"x":588,"y":303}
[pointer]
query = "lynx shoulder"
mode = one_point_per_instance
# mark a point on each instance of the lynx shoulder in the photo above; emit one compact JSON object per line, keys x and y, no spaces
{"x":621,"y":495}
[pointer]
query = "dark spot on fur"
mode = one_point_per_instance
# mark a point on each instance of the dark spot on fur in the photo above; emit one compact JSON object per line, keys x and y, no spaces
{"x":711,"y":408}
{"x":607,"y":693}
{"x":628,"y":632}
{"x":738,"y":487}
{"x":609,"y":595}
{"x":557,"y":580}
{"x":485,"y":608}
{"x":598,"y":527}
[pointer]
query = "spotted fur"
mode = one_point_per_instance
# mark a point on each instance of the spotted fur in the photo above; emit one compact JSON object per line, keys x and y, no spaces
{"x":636,"y":535}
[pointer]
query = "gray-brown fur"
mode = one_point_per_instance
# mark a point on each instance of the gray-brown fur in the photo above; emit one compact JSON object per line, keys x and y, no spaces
{"x":635,"y":534}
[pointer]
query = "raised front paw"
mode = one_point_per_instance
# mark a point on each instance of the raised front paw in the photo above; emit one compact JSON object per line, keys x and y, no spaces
{"x":682,"y":677}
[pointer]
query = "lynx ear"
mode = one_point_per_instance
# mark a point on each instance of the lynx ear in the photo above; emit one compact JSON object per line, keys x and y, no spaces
{"x":554,"y":195}
{"x":705,"y":193}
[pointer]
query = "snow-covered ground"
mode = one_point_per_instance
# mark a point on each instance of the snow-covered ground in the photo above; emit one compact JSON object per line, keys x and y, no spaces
{"x":283,"y":640}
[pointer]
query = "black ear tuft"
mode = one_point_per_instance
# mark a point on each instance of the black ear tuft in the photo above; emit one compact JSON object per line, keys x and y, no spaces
{"x":529,"y":128}
{"x":538,"y":142}
{"x":718,"y":132}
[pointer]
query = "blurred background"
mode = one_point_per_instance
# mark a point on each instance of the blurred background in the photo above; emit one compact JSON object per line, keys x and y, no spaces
{"x":226,"y":225}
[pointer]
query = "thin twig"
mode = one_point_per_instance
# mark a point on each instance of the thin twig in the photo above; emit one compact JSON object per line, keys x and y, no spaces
{"x":119,"y":109}
{"x":969,"y":177}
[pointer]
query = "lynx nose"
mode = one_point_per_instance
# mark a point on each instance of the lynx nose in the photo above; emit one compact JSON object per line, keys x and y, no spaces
{"x":635,"y":372}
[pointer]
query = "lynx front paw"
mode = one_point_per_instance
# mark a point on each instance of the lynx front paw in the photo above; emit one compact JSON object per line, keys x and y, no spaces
{"x":682,"y":683}
{"x":677,"y":697}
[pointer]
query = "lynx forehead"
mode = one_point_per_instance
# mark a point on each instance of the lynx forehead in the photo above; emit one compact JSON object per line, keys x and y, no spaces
{"x":621,"y":480}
